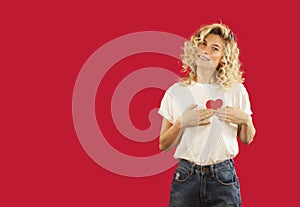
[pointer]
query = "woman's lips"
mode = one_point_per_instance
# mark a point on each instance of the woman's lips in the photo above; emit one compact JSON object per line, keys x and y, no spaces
{"x":202,"y":57}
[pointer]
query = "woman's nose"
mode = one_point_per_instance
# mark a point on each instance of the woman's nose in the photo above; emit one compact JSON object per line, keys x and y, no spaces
{"x":203,"y":50}
{"x":206,"y":50}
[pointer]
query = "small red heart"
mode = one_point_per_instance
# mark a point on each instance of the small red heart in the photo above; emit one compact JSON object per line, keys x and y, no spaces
{"x":210,"y":104}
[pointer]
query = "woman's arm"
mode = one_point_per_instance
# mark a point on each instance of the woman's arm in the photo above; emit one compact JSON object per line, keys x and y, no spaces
{"x":170,"y":134}
{"x":246,"y":131}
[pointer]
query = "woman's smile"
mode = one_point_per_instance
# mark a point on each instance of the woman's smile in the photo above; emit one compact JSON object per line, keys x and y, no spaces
{"x":202,"y":57}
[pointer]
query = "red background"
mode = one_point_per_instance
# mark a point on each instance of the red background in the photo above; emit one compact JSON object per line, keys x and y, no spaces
{"x":45,"y":44}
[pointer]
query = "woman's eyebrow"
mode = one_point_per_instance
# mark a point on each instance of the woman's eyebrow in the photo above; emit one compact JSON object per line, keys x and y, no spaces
{"x":216,"y":45}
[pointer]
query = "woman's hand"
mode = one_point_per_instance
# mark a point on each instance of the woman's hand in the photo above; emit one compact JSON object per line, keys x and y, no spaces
{"x":233,"y":115}
{"x":192,"y":118}
{"x":170,"y":133}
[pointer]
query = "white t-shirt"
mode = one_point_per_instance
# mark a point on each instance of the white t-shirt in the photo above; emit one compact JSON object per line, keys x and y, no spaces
{"x":205,"y":144}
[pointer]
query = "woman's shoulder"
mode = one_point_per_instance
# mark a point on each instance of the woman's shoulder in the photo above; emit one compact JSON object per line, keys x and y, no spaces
{"x":238,"y":88}
{"x":177,"y":87}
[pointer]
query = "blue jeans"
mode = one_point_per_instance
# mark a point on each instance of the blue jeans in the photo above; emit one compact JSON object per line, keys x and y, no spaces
{"x":205,"y":186}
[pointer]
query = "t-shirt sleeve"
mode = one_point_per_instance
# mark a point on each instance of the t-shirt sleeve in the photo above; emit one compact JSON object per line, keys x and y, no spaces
{"x":245,"y":101}
{"x":168,"y":107}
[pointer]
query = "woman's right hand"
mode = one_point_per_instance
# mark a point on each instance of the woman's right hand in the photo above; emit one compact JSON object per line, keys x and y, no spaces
{"x":192,"y":118}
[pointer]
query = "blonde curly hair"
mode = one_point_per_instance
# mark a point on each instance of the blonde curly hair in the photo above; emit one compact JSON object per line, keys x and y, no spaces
{"x":228,"y":72}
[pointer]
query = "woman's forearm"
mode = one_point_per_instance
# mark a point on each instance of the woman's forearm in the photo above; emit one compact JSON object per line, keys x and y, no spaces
{"x":246,"y":131}
{"x":170,"y":136}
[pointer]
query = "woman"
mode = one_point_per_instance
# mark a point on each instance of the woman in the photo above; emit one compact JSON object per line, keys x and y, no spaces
{"x":203,"y":115}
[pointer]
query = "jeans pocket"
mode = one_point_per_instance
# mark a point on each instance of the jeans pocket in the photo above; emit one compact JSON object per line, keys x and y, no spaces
{"x":182,"y":174}
{"x":227,"y":176}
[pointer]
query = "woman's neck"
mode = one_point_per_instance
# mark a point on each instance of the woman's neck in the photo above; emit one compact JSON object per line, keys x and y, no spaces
{"x":206,"y":77}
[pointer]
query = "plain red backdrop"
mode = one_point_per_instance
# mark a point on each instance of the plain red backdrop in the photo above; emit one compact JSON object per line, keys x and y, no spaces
{"x":45,"y":44}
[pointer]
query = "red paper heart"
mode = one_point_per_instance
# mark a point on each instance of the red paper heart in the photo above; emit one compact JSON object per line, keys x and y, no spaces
{"x":210,"y":104}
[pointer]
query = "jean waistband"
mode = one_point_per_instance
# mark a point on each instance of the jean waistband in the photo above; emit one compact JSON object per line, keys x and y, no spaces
{"x":202,"y":168}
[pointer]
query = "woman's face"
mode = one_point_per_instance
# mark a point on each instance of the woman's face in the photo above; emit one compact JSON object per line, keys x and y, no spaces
{"x":210,"y":52}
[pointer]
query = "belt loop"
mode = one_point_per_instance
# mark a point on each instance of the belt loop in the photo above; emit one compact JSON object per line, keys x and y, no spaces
{"x":193,"y":168}
{"x":212,"y":170}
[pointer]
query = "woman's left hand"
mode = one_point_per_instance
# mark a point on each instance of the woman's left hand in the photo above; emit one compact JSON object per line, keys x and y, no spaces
{"x":232,"y":115}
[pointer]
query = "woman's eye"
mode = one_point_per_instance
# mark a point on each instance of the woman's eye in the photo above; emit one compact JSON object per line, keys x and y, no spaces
{"x":215,"y":49}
